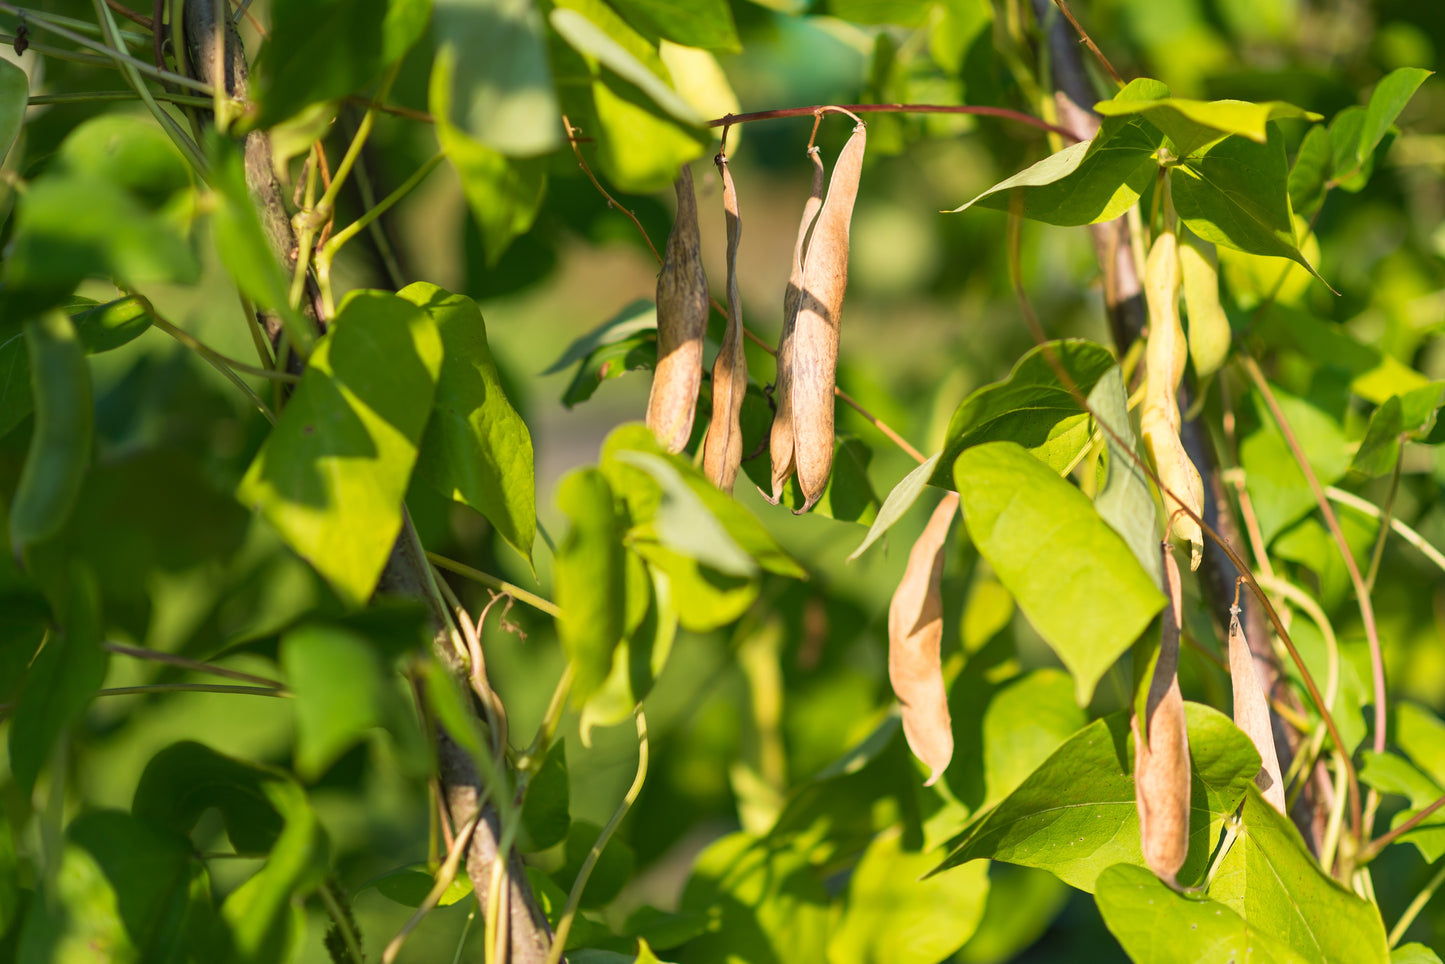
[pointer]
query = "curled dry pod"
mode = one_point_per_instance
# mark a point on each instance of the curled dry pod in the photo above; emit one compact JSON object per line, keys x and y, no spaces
{"x":915,"y":629}
{"x":1251,"y":712}
{"x":722,"y":452}
{"x":1161,"y":749}
{"x":812,"y":350}
{"x":781,"y":441}
{"x":1209,"y":333}
{"x":1166,"y":353}
{"x":681,"y":324}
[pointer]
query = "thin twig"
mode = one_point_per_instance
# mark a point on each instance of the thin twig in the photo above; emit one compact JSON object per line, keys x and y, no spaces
{"x":1372,"y":851}
{"x":727,"y":120}
{"x":612,"y":202}
{"x":130,"y":14}
{"x":1418,"y":904}
{"x":492,"y":582}
{"x":1063,"y":6}
{"x":194,"y":665}
{"x":1362,"y":592}
{"x":1386,"y":514}
{"x":35,"y":100}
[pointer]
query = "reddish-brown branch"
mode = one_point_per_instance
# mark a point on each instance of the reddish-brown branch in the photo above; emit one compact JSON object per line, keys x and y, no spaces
{"x":1063,"y":6}
{"x":1390,"y":836}
{"x":728,"y":120}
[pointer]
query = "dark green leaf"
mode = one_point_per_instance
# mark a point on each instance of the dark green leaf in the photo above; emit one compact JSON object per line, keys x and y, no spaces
{"x":321,"y":50}
{"x":589,"y":578}
{"x":1157,"y":925}
{"x":9,"y":876}
{"x":636,"y":352}
{"x":339,"y":685}
{"x":1270,"y":879}
{"x":111,"y":325}
{"x":1374,"y":375}
{"x":1075,"y":815}
{"x":14,"y":92}
{"x":1072,"y":575}
{"x":634,"y":317}
{"x":503,"y":88}
{"x":64,"y":676}
{"x":545,"y":809}
{"x":849,"y":495}
{"x":609,"y":874}
{"x":1237,"y":195}
{"x":504,"y":193}
{"x":1031,"y":406}
{"x":409,"y":886}
{"x":701,"y":23}
{"x":332,"y":474}
{"x":896,"y":915}
{"x":1022,"y":903}
{"x":477,"y":450}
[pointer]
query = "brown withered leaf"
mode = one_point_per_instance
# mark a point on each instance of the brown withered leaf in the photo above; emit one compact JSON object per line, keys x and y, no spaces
{"x":1161,"y":748}
{"x":682,"y":304}
{"x":1251,"y":712}
{"x":781,"y":437}
{"x":813,"y":349}
{"x":915,"y":629}
{"x":723,"y":448}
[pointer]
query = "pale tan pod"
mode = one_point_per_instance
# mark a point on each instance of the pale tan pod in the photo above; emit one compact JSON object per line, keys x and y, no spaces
{"x":915,"y":630}
{"x":780,"y":443}
{"x":1161,"y":759}
{"x":723,"y":448}
{"x":1209,"y":334}
{"x":682,"y":305}
{"x":1251,"y":712}
{"x":813,"y":353}
{"x":1166,"y":353}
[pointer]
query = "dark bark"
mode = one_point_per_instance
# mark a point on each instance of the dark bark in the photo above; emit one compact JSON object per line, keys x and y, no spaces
{"x":406,"y":572}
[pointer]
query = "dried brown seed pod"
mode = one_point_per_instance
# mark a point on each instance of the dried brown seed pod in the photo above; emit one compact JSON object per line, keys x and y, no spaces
{"x":1161,"y":748}
{"x":812,"y":351}
{"x":915,"y":629}
{"x":781,"y":439}
{"x":682,"y":305}
{"x":1251,"y":712}
{"x":723,"y":447}
{"x":1165,"y":354}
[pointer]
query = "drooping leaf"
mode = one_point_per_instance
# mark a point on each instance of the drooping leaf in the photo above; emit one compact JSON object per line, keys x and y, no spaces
{"x":1075,"y":817}
{"x":1158,"y":925}
{"x":332,"y":475}
{"x":639,"y":659}
{"x":894,"y":917}
{"x":503,"y":93}
{"x":477,"y":450}
{"x":633,"y":353}
{"x":1125,"y":501}
{"x":546,"y":807}
{"x":898,"y":502}
{"x":504,"y":193}
{"x":1387,"y":100}
{"x":633,"y":318}
{"x":1071,"y":574}
{"x":321,"y":50}
{"x":1270,"y":879}
{"x":1237,"y":195}
{"x":590,"y":579}
{"x":1032,"y":406}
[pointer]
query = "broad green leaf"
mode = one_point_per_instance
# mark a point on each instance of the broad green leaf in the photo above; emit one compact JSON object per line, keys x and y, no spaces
{"x":1387,"y":100}
{"x":1028,"y":406}
{"x":1158,"y":925}
{"x":1413,"y":954}
{"x":609,"y":874}
{"x":1311,"y":172}
{"x":899,"y":501}
{"x":764,"y":903}
{"x":684,"y":524}
{"x":1349,"y":172}
{"x":503,"y":88}
{"x":321,"y":50}
{"x":1125,"y":500}
{"x":634,"y":353}
{"x":1237,"y":195}
{"x":1270,"y":879}
{"x":701,"y":23}
{"x":1277,"y":487}
{"x":1072,"y":575}
{"x":61,"y":681}
{"x":1193,"y":124}
{"x":409,"y":886}
{"x":14,"y":93}
{"x":1075,"y":815}
{"x":1022,"y":904}
{"x":600,"y":40}
{"x":1407,"y":416}
{"x":477,"y":450}
{"x":332,"y":475}
{"x":504,"y":193}
{"x":1374,"y":375}
{"x":339,"y":687}
{"x":634,"y":317}
{"x":265,"y":812}
{"x":652,"y":622}
{"x":240,"y":240}
{"x":892,"y":916}
{"x":1003,"y":731}
{"x":589,"y":578}
{"x":1256,"y":279}
{"x":703,"y":598}
{"x":78,"y":918}
{"x":545,"y":808}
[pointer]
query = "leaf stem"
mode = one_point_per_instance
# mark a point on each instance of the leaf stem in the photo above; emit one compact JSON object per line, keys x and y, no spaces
{"x":195,"y":665}
{"x":328,"y":250}
{"x":194,"y":688}
{"x":564,"y":923}
{"x":1372,"y":850}
{"x":492,"y":582}
{"x":727,"y":120}
{"x":188,"y":100}
{"x":1416,"y":905}
{"x":1362,"y":592}
{"x":1386,"y":513}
